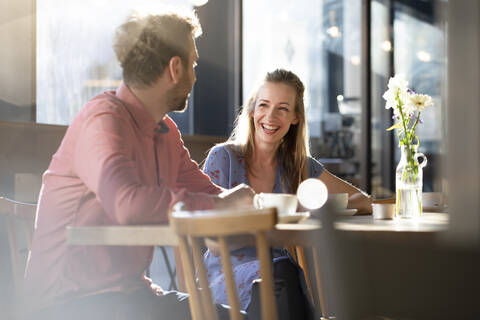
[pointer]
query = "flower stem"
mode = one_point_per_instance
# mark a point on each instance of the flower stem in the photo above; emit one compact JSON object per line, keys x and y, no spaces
{"x":407,"y":136}
{"x":415,"y":124}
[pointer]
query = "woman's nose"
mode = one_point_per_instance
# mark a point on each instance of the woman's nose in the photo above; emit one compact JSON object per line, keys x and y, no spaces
{"x":271,"y":113}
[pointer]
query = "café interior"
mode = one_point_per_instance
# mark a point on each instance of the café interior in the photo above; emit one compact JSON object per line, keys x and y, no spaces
{"x":56,"y":55}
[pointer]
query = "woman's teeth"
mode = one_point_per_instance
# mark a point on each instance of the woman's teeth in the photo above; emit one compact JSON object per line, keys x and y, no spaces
{"x":269,"y":128}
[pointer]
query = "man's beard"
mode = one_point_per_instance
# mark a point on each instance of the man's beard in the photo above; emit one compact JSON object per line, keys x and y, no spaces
{"x":180,"y":104}
{"x":179,"y":99}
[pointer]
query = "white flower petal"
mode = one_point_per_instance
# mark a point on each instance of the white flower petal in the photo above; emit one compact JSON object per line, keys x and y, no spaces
{"x":420,"y":102}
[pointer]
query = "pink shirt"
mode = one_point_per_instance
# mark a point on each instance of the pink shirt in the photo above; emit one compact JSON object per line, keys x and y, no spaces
{"x":114,"y":166}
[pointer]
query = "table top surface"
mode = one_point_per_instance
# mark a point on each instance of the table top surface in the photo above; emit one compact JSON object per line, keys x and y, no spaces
{"x":428,"y":222}
{"x":151,"y":235}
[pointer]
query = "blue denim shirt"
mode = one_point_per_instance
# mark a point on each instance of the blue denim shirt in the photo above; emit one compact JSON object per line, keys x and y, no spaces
{"x":226,"y":167}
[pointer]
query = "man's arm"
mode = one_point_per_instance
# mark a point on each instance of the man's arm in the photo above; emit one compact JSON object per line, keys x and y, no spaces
{"x":104,"y":161}
{"x":192,"y":178}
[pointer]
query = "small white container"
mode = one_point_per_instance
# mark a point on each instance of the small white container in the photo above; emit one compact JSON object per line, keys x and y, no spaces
{"x":383,"y":211}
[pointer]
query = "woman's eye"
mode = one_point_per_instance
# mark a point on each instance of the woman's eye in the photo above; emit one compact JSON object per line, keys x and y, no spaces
{"x":262,"y":105}
{"x":283,"y":108}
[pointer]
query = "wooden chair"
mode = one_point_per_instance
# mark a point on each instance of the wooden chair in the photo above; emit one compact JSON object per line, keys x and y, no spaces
{"x":193,"y":227}
{"x":314,"y":278}
{"x":20,"y":219}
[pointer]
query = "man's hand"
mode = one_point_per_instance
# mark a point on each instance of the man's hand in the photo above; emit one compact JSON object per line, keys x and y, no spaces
{"x":239,"y":197}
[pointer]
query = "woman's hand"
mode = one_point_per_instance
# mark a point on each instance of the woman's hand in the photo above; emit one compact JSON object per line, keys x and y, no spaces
{"x":239,"y":197}
{"x":361,"y":202}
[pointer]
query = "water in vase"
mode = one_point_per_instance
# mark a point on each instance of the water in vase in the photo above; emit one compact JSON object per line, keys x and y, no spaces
{"x":409,"y":202}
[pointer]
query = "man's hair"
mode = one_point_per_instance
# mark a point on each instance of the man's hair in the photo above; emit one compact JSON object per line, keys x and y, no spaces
{"x":144,"y":45}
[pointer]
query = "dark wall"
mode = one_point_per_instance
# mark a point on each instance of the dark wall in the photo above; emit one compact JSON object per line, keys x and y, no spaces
{"x":216,"y":89}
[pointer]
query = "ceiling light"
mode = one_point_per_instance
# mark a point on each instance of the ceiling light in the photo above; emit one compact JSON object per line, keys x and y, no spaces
{"x":334,"y":32}
{"x":424,"y":56}
{"x":355,"y":60}
{"x":386,"y":46}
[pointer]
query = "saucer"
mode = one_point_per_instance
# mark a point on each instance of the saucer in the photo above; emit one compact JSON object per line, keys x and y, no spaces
{"x":346,"y":212}
{"x":293,"y":218}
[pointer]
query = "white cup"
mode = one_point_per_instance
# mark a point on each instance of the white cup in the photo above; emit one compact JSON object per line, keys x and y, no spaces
{"x":286,"y":204}
{"x":383,"y":210}
{"x":338,"y":201}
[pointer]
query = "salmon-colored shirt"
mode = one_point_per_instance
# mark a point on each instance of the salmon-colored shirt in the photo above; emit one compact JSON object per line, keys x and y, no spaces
{"x":115,"y":166}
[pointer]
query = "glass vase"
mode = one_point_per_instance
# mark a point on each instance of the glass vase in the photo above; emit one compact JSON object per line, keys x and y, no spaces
{"x":409,"y":183}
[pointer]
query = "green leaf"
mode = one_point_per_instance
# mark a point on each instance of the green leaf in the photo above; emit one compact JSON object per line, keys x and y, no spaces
{"x":395,"y":126}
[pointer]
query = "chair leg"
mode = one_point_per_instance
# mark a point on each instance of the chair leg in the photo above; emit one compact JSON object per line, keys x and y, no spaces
{"x":182,"y":286}
{"x":302,"y":262}
{"x":171,"y":273}
{"x":230,"y":280}
{"x":321,"y":296}
{"x":205,"y":293}
{"x":194,"y":300}
{"x":269,"y":309}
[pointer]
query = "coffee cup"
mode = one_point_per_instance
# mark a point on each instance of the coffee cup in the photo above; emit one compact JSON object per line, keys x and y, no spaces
{"x":337,"y":201}
{"x":286,"y":204}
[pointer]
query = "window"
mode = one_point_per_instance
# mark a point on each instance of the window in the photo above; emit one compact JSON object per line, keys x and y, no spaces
{"x":319,"y":40}
{"x":75,"y":59}
{"x":408,"y":37}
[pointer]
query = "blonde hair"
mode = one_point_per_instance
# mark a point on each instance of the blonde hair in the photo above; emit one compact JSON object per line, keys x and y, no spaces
{"x":144,"y":45}
{"x":294,"y":148}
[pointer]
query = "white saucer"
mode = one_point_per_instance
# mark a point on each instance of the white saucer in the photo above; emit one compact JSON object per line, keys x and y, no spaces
{"x":293,"y":218}
{"x":346,"y":212}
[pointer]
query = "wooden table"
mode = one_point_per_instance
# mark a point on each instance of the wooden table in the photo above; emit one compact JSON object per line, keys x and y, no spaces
{"x":301,"y":235}
{"x":287,"y":234}
{"x":429,"y":222}
{"x":162,"y":235}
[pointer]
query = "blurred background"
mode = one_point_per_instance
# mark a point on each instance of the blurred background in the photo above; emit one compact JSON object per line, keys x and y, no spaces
{"x":55,"y":55}
{"x":344,"y":55}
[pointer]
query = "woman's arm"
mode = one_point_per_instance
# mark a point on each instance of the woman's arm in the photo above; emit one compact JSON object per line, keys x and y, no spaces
{"x":357,"y":198}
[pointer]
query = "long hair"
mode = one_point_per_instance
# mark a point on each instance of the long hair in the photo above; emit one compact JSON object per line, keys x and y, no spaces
{"x":294,"y":147}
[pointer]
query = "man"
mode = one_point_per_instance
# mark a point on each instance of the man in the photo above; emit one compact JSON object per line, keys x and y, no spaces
{"x":122,"y":161}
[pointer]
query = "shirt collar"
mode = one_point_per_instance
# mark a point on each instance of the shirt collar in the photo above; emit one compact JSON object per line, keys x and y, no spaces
{"x":143,"y":120}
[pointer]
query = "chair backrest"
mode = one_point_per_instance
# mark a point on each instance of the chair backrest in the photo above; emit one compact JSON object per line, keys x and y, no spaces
{"x":20,"y":219}
{"x":194,"y":226}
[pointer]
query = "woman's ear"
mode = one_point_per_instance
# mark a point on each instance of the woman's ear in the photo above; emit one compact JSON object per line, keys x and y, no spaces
{"x":175,"y":69}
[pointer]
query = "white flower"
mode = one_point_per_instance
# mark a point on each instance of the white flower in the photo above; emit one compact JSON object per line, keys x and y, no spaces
{"x":409,"y":108}
{"x":418,"y":102}
{"x":389,"y":96}
{"x":397,"y":85}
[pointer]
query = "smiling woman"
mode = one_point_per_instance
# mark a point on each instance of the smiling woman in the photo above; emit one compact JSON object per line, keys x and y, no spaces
{"x":269,"y":151}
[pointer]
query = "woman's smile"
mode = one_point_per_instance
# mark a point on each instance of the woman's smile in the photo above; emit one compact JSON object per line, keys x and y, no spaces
{"x":274,"y":112}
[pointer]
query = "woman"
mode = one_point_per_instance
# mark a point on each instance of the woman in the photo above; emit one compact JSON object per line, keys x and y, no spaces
{"x":269,"y":151}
